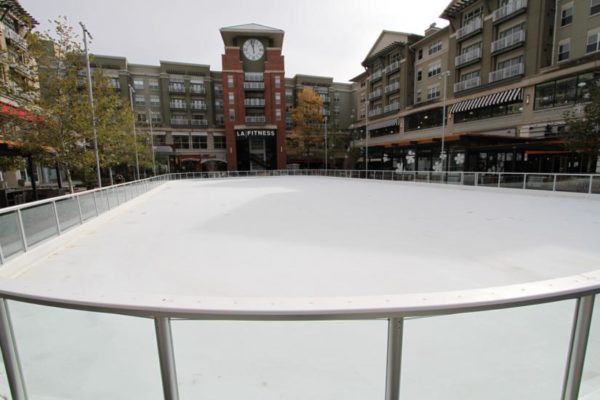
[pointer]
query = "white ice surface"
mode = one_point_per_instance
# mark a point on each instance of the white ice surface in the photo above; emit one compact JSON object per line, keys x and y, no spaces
{"x":313,"y":237}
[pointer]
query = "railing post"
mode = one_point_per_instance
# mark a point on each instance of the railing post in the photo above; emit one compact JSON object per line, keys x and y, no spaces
{"x":499,"y":178}
{"x":14,"y":372}
{"x":1,"y":255}
{"x":579,"y":338}
{"x":524,"y":181}
{"x":554,"y":183}
{"x":591,"y":184}
{"x":58,"y":230}
{"x":80,"y":212}
{"x":462,"y":178}
{"x":166,"y":356}
{"x":476,"y":179}
{"x":95,"y":203}
{"x":22,"y":229}
{"x":394,"y":358}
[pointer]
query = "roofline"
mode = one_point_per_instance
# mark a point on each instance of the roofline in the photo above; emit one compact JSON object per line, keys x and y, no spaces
{"x":439,"y":32}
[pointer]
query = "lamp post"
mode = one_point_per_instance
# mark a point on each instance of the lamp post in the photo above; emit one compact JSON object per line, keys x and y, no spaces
{"x":86,"y":33}
{"x":442,"y":153}
{"x":152,"y":143}
{"x":137,"y":160}
{"x":326,"y":146}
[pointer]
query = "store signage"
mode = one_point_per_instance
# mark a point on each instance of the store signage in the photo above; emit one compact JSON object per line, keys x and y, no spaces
{"x":248,"y":133}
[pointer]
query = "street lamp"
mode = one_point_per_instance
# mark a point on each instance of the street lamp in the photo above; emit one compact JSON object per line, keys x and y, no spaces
{"x":86,"y":33}
{"x":152,"y":143}
{"x":137,"y":160}
{"x":442,"y":153}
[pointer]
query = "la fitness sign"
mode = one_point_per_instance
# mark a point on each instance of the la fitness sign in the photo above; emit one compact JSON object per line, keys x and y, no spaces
{"x":248,"y":133}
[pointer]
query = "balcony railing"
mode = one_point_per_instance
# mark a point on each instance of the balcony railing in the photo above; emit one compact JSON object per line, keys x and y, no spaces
{"x":467,"y":84}
{"x":179,"y":122}
{"x":176,"y":105}
{"x":375,"y":112}
{"x":254,"y":102}
{"x":395,"y":106}
{"x":254,"y":77}
{"x":509,"y":9}
{"x":14,"y":37}
{"x":199,"y":122}
{"x":253,"y":119}
{"x":473,"y":26}
{"x":391,"y":88}
{"x":509,"y":72}
{"x":198,"y":106}
{"x":254,"y":85}
{"x":197,"y":89}
{"x":508,"y":41}
{"x":376,"y":75}
{"x":470,"y":56}
{"x":393,"y":67}
{"x":375,"y":94}
{"x":176,"y":88}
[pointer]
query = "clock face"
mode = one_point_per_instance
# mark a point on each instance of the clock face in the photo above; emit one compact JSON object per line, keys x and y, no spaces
{"x":253,"y":49}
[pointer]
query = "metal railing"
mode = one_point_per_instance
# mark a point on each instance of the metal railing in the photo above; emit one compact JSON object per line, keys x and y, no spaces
{"x":471,"y":55}
{"x":467,"y":84}
{"x":508,"y":72}
{"x":472,"y":27}
{"x":510,"y":8}
{"x":43,"y":220}
{"x":508,"y":41}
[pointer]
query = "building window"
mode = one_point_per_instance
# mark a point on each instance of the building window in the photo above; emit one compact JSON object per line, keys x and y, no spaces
{"x":471,"y":15}
{"x":154,"y":100}
{"x":219,"y":142}
{"x":114,"y":83}
{"x":181,"y":141}
{"x":199,"y":142}
{"x":434,"y":69}
{"x":278,"y":114}
{"x":564,"y":49}
{"x":433,"y":92}
{"x":511,"y":31}
{"x":277,"y":98}
{"x":566,"y":15}
{"x":277,"y":81}
{"x":510,"y":63}
{"x":565,"y":91}
{"x":435,"y":47}
{"x":138,"y":83}
{"x":153,"y":84}
{"x":160,"y":140}
{"x":231,"y":114}
{"x":156,"y":117}
{"x":470,"y":75}
{"x":419,"y":75}
{"x":231,"y":98}
{"x":142,"y":118}
{"x":218,"y":90}
{"x":594,"y":7}
{"x":593,"y":40}
{"x":230,"y":81}
{"x":420,"y":54}
{"x":140,"y":100}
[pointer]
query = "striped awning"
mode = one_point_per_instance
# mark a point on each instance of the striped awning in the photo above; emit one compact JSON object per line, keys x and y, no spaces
{"x":383,"y":124}
{"x":508,"y":96}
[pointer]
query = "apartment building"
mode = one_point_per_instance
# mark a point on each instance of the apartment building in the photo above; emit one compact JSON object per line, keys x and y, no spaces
{"x":511,"y":69}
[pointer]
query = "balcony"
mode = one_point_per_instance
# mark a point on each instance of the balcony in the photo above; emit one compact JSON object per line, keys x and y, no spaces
{"x":375,"y":112}
{"x":470,"y":29}
{"x":197,"y":89}
{"x":375,"y":76}
{"x":14,"y":37}
{"x":180,"y":122}
{"x":198,"y":106}
{"x":469,"y":57}
{"x":395,"y":106}
{"x":467,"y":84}
{"x":506,"y":73}
{"x":199,"y":123}
{"x":510,"y":10}
{"x":391,"y":88}
{"x":176,"y":105}
{"x":176,"y":88}
{"x":22,"y":70}
{"x":254,"y":85}
{"x":254,"y":102}
{"x":254,"y":77}
{"x":508,"y":42}
{"x":375,"y":94}
{"x":393,"y":67}
{"x":256,"y":119}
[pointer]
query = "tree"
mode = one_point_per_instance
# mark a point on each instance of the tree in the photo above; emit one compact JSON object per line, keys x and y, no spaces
{"x":583,"y":128}
{"x":308,"y":119}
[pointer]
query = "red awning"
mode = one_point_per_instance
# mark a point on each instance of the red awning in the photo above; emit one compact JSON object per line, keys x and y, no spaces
{"x":6,"y":109}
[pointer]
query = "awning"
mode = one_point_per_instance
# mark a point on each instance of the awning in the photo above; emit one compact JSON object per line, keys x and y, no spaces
{"x":508,"y":96}
{"x":383,"y":124}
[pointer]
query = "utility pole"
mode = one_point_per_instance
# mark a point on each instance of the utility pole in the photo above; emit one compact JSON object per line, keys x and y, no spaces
{"x":86,"y":33}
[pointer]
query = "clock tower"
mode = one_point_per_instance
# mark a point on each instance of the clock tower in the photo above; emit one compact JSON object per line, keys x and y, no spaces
{"x":254,"y":97}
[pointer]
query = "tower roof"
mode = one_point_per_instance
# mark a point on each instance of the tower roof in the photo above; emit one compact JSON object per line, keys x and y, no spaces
{"x":230,"y":32}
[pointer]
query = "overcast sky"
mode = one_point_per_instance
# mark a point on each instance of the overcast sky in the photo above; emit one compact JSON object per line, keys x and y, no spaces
{"x":322,"y":37}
